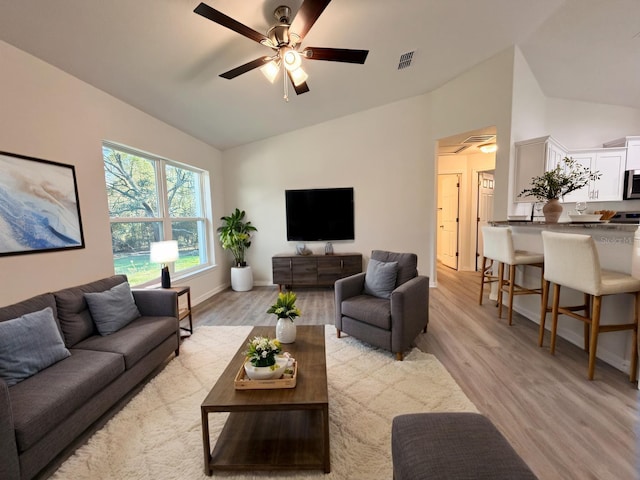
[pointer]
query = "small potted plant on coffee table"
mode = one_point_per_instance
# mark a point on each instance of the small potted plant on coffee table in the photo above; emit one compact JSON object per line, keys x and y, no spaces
{"x":286,"y":311}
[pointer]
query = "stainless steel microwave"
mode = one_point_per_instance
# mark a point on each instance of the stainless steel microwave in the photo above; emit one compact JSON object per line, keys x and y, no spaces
{"x":631,"y":184}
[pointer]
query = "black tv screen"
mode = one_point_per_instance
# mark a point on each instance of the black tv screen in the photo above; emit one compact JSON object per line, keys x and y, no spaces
{"x":319,"y":214}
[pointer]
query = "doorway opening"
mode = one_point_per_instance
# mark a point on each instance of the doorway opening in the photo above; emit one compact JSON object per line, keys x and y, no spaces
{"x":465,"y":186}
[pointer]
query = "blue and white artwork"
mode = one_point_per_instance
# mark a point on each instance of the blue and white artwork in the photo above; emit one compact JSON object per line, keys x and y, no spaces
{"x":39,"y":208}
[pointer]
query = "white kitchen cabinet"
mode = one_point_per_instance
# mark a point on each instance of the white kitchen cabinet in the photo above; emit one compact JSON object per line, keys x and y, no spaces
{"x":610,"y":163}
{"x":533,"y":158}
{"x":632,"y":145}
{"x":633,"y":153}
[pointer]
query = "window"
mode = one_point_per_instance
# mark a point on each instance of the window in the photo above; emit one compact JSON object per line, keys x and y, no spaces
{"x":153,"y":199}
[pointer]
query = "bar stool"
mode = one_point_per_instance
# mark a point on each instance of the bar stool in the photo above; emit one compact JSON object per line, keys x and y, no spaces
{"x":572,"y":260}
{"x":498,"y":246}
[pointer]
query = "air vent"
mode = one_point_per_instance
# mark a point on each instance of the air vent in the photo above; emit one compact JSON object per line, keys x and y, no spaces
{"x":405,"y":60}
{"x":452,"y":149}
{"x":479,"y":139}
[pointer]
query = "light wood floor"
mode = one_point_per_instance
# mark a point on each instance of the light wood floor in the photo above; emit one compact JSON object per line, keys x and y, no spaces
{"x":564,"y":426}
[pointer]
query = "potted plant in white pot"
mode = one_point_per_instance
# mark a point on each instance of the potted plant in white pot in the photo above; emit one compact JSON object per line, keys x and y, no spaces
{"x":235,"y":236}
{"x":566,"y":177}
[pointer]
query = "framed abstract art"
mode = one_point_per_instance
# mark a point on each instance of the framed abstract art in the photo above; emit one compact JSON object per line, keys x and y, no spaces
{"x":39,"y":208}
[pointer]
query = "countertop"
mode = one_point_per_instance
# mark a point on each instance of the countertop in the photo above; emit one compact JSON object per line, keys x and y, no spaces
{"x":601,"y":226}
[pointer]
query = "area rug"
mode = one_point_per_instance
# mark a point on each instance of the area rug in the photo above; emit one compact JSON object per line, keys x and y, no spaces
{"x":158,"y":436}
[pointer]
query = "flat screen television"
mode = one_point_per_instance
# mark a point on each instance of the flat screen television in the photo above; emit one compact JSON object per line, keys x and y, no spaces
{"x":321,"y":214}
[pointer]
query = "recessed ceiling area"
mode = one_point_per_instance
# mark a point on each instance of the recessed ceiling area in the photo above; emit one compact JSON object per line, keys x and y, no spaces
{"x":467,"y":143}
{"x":161,"y":57}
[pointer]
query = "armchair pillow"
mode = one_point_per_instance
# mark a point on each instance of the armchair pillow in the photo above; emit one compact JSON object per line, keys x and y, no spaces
{"x":28,"y":344}
{"x":112,"y":309}
{"x":380,"y":279}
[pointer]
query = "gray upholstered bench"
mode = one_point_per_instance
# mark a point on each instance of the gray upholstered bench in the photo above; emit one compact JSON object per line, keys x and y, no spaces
{"x":451,"y":446}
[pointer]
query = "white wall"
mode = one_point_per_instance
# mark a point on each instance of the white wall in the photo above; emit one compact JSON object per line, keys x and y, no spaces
{"x":381,"y":153}
{"x":49,"y":114}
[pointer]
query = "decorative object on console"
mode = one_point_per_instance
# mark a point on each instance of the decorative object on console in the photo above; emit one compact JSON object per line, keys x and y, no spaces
{"x":286,"y":311}
{"x":39,"y":207}
{"x":328,"y":248}
{"x":164,"y":253}
{"x":566,"y":177}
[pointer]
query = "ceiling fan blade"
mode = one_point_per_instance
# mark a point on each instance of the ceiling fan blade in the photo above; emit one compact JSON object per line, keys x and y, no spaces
{"x":307,"y":15}
{"x":221,"y":19}
{"x":336,"y":54}
{"x":258,"y":62}
{"x":300,"y":89}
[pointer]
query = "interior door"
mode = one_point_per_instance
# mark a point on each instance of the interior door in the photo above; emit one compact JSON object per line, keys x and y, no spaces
{"x":485,"y":210}
{"x":448,"y":210}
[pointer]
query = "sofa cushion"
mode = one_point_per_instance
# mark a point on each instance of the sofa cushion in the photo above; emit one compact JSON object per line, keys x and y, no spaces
{"x":28,"y":344}
{"x":73,"y":311}
{"x":33,"y":304}
{"x":42,"y":401}
{"x":380,"y":279}
{"x":407,"y":264}
{"x":372,"y":310}
{"x":112,"y":309}
{"x":134,"y":340}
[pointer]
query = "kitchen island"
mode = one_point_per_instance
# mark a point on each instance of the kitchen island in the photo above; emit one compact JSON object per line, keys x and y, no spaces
{"x":616,"y":250}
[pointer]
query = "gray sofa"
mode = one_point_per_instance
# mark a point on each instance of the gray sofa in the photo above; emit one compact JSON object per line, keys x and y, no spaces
{"x":388,"y":311}
{"x":43,"y":414}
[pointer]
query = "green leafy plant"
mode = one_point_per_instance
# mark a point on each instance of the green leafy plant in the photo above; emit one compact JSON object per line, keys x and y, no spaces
{"x":566,"y":177}
{"x":262,"y":351}
{"x":285,"y":306}
{"x":235,"y":235}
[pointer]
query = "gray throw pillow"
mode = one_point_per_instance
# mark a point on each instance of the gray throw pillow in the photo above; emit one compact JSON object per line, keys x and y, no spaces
{"x":112,"y":309}
{"x":380,"y":279}
{"x":28,"y":344}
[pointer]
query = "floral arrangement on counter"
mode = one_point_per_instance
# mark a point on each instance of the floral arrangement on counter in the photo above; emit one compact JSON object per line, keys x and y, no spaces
{"x":567,"y":176}
{"x":285,"y":306}
{"x":262,"y":351}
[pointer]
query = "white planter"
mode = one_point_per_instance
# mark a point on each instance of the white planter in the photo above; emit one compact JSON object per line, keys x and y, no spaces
{"x":241,"y":279}
{"x":285,"y":330}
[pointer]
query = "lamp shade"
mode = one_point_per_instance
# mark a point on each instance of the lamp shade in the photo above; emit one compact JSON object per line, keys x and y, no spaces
{"x":164,"y":252}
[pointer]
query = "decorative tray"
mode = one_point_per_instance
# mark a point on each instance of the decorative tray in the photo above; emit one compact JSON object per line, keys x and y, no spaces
{"x":242,"y":382}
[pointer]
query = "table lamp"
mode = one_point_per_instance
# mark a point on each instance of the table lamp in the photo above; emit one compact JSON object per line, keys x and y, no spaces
{"x":164,"y":252}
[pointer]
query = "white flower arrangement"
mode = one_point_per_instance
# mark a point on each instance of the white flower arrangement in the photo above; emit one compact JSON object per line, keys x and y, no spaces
{"x":262,"y":351}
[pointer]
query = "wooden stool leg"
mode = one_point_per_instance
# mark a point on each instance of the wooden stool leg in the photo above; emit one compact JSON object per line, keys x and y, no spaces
{"x":500,"y":284}
{"x":554,"y":317}
{"x":512,"y":285}
{"x":633,"y":370}
{"x":595,"y":328}
{"x":482,"y":277}
{"x":543,"y":310}
{"x":587,"y":313}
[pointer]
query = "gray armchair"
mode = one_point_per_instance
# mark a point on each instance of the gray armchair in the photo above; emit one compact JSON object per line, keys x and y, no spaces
{"x":391,"y":323}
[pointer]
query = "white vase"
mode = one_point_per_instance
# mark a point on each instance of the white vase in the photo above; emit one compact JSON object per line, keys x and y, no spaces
{"x":285,"y":330}
{"x":241,"y":279}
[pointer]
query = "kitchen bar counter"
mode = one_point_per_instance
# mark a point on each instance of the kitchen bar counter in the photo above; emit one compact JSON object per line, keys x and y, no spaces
{"x":615,"y":245}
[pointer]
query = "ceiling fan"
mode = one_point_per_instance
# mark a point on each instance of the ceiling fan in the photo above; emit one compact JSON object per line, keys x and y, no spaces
{"x":284,"y":38}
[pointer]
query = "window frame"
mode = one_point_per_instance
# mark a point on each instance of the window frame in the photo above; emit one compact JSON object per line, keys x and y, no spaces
{"x":203,"y":220}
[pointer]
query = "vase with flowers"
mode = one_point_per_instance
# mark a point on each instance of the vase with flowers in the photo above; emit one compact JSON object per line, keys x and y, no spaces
{"x":286,"y":311}
{"x":567,"y":176}
{"x":262,"y":359}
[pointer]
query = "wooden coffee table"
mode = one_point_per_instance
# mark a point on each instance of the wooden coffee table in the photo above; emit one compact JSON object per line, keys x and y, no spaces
{"x":279,"y":429}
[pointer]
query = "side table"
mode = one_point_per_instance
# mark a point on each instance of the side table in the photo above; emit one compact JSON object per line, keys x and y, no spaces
{"x":184,"y":311}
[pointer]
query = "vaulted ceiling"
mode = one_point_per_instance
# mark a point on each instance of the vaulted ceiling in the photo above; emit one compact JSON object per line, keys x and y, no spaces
{"x":162,"y":58}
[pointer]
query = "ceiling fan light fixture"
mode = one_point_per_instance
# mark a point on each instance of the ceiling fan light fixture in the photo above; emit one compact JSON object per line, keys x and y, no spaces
{"x":270,"y":70}
{"x":291,"y":58}
{"x":298,"y":76}
{"x":488,"y":147}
